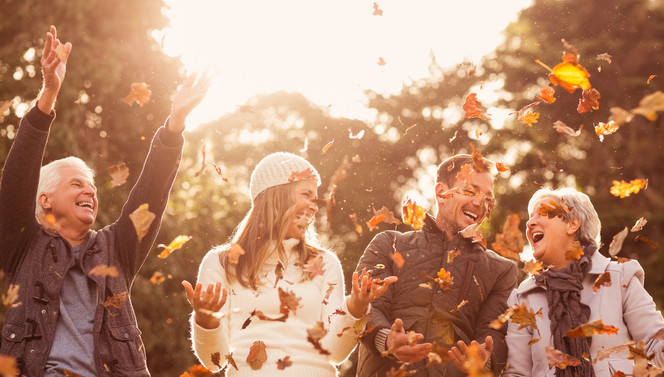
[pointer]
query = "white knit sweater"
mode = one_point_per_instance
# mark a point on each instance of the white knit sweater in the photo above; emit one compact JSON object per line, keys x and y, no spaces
{"x":281,"y":339}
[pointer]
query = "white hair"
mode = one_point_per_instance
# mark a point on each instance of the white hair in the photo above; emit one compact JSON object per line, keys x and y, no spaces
{"x":581,"y":208}
{"x":50,"y":177}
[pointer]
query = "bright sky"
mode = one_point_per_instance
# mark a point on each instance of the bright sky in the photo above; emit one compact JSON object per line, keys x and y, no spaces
{"x":328,"y":51}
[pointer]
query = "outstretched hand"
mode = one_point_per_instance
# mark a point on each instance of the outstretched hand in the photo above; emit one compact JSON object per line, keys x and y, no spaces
{"x":405,"y":349}
{"x":365,"y":290}
{"x":187,"y":98}
{"x":206,"y":304}
{"x":459,"y":354}
{"x":54,"y":67}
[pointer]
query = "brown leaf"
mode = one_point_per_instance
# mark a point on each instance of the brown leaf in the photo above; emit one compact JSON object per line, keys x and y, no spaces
{"x":139,"y":94}
{"x":9,"y":299}
{"x":284,"y":363}
{"x":314,"y":266}
{"x":104,"y":270}
{"x":473,"y":107}
{"x":510,"y":242}
{"x":288,"y":302}
{"x":560,"y":359}
{"x":157,"y":278}
{"x":617,"y":242}
{"x":650,"y":105}
{"x":574,"y":251}
{"x":142,"y":218}
{"x":257,"y":355}
{"x":314,"y":336}
{"x":216,"y":359}
{"x":119,"y":174}
{"x":606,"y":57}
{"x":301,"y":175}
{"x":451,"y":254}
{"x":473,"y":233}
{"x":591,"y":328}
{"x":358,"y":227}
{"x":382,"y":215}
{"x":327,"y":146}
{"x":458,"y":307}
{"x":398,"y":259}
{"x":562,"y":128}
{"x":533,"y":267}
{"x":640,"y":223}
{"x":553,"y":209}
{"x":603,"y":280}
{"x":230,"y":360}
{"x":328,"y":292}
{"x":8,"y":367}
{"x":116,"y":300}
{"x":647,"y":240}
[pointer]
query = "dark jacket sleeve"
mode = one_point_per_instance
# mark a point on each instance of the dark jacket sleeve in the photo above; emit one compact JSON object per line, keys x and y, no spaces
{"x":493,"y":307}
{"x":18,"y":188}
{"x":152,"y":188}
{"x":377,"y":257}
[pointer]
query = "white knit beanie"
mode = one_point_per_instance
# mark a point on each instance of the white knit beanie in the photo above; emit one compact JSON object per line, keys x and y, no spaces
{"x":279,"y":169}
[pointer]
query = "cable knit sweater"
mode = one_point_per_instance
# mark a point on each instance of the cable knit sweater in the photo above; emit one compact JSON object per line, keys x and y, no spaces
{"x":281,"y":339}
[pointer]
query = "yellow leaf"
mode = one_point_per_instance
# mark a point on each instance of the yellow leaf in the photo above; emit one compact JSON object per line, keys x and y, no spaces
{"x":142,"y":218}
{"x":174,"y":245}
{"x":570,"y":76}
{"x":119,"y":174}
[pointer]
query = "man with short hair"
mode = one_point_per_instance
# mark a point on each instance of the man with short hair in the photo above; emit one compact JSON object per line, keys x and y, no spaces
{"x":452,"y":311}
{"x":72,"y":321}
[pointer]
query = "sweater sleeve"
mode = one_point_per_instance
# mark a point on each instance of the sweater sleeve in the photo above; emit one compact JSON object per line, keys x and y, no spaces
{"x":519,"y":359}
{"x":209,"y":342}
{"x":340,"y":322}
{"x":18,"y":189}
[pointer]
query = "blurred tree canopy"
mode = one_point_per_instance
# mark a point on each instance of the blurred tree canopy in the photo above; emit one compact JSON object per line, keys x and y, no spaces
{"x":414,"y":130}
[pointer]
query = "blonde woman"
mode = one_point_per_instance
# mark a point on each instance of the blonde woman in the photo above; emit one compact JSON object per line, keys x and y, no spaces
{"x":271,"y":302}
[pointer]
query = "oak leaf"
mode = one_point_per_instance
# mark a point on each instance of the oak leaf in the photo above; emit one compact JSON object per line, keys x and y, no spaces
{"x":547,"y":94}
{"x":376,"y":10}
{"x":473,"y":233}
{"x":602,"y":129}
{"x":301,"y":175}
{"x":650,"y":105}
{"x":590,"y":329}
{"x":139,"y":94}
{"x":574,"y":251}
{"x":314,"y":266}
{"x":510,"y":242}
{"x":560,"y":359}
{"x":529,"y":117}
{"x":589,"y":101}
{"x":116,"y":300}
{"x":473,"y":107}
{"x":413,"y":214}
{"x":314,"y":336}
{"x":624,"y":189}
{"x":382,"y":215}
{"x":533,"y":267}
{"x":553,"y":209}
{"x":119,"y":174}
{"x":444,"y":279}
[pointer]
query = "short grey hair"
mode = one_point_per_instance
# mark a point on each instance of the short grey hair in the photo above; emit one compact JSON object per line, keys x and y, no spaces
{"x":50,"y":177}
{"x":581,"y":208}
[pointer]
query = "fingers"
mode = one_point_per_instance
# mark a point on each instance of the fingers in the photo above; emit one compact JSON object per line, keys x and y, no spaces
{"x":397,"y":326}
{"x":488,"y":345}
{"x":412,"y":354}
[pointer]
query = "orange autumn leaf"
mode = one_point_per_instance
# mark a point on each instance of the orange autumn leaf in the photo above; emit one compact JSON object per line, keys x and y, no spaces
{"x":458,"y":307}
{"x":8,"y":366}
{"x":234,"y":253}
{"x":602,"y":129}
{"x":444,"y":279}
{"x":466,"y":174}
{"x":568,"y":74}
{"x":533,"y":267}
{"x":174,"y":245}
{"x":142,"y":218}
{"x":640,"y":223}
{"x":606,"y":57}
{"x":650,"y":78}
{"x":547,"y":94}
{"x":139,"y":94}
{"x":647,"y":240}
{"x":501,"y":167}
{"x":197,"y":370}
{"x":257,"y":355}
{"x":301,"y":175}
{"x":589,"y":101}
{"x":288,"y":302}
{"x":328,"y":292}
{"x":314,"y":266}
{"x":473,"y":107}
{"x":560,"y":359}
{"x":157,"y":278}
{"x":119,"y":174}
{"x":358,"y":227}
{"x":284,"y":363}
{"x":327,"y":146}
{"x":553,"y":209}
{"x":529,"y":117}
{"x":475,"y":362}
{"x":510,"y":242}
{"x":382,"y":215}
{"x":473,"y":233}
{"x":376,"y":10}
{"x":438,"y":355}
{"x":478,"y":160}
{"x":451,"y":254}
{"x":564,"y":129}
{"x":216,"y":359}
{"x":116,"y":300}
{"x":398,"y":259}
{"x":381,"y":61}
{"x":624,"y":189}
{"x":314,"y":336}
{"x":525,"y":316}
{"x":591,"y":328}
{"x":9,"y":299}
{"x":574,"y":251}
{"x":104,"y":270}
{"x":413,"y":214}
{"x":603,"y":280}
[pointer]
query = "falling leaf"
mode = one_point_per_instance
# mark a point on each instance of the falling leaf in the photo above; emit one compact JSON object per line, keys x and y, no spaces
{"x":234,"y":253}
{"x":624,"y":189}
{"x":647,"y":240}
{"x":328,"y":292}
{"x":257,"y":355}
{"x":8,"y":366}
{"x":301,"y":175}
{"x":458,"y":307}
{"x":569,"y":75}
{"x":314,"y":266}
{"x":382,"y":215}
{"x":328,"y":146}
{"x":438,"y":354}
{"x":398,"y":259}
{"x":603,"y":280}
{"x":560,"y":359}
{"x":510,"y":242}
{"x":553,"y":209}
{"x":591,"y":328}
{"x":218,"y":170}
{"x":640,"y":223}
{"x":203,"y":165}
{"x":589,"y":101}
{"x":529,"y":117}
{"x":358,"y":227}
{"x":650,"y":105}
{"x":426,"y":285}
{"x":9,"y":299}
{"x":473,"y":233}
{"x":547,"y":94}
{"x":606,"y":57}
{"x":617,"y":242}
{"x":157,"y":278}
{"x":451,"y":254}
{"x":284,"y":363}
{"x":381,"y":61}
{"x":69,"y":373}
{"x":139,"y":93}
{"x":104,"y":270}
{"x":314,"y":336}
{"x":528,"y":106}
{"x":116,"y":300}
{"x":142,"y":218}
{"x":650,"y":78}
{"x":533,"y":267}
{"x":444,"y":279}
{"x":478,"y":133}
{"x":466,"y":174}
{"x":357,"y":136}
{"x":501,"y":167}
{"x":376,"y":10}
{"x":216,"y":359}
{"x":288,"y":302}
{"x":174,"y":245}
{"x":620,"y":116}
{"x":562,"y":128}
{"x":197,"y":371}
{"x":119,"y":174}
{"x":574,"y":251}
{"x":306,"y":145}
{"x":413,"y":214}
{"x":473,"y":107}
{"x":602,"y":129}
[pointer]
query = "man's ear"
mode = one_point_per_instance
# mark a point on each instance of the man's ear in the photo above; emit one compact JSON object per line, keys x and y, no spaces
{"x":440,"y":189}
{"x":573,"y":225}
{"x":44,"y":201}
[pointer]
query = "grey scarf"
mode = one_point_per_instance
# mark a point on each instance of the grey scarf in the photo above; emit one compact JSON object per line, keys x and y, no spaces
{"x":563,"y":294}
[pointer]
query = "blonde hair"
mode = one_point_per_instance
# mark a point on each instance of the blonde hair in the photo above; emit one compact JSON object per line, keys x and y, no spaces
{"x":266,"y":223}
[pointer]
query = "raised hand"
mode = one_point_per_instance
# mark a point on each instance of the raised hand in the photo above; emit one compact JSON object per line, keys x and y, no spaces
{"x":405,"y":349}
{"x":458,"y":354}
{"x":365,"y":290}
{"x":186,"y":99}
{"x":54,"y":66}
{"x":206,"y":304}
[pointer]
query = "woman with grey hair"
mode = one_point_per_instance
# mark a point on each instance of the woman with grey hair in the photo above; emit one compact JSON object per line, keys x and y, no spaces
{"x":564,"y":232}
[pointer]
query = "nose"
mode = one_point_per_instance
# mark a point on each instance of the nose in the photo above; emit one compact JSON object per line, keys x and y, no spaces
{"x":313,"y":206}
{"x":530,"y":223}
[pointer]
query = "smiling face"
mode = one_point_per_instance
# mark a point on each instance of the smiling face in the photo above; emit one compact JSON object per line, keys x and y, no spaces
{"x":305,"y":208}
{"x":73,"y":204}
{"x":550,"y":237}
{"x":466,"y":203}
